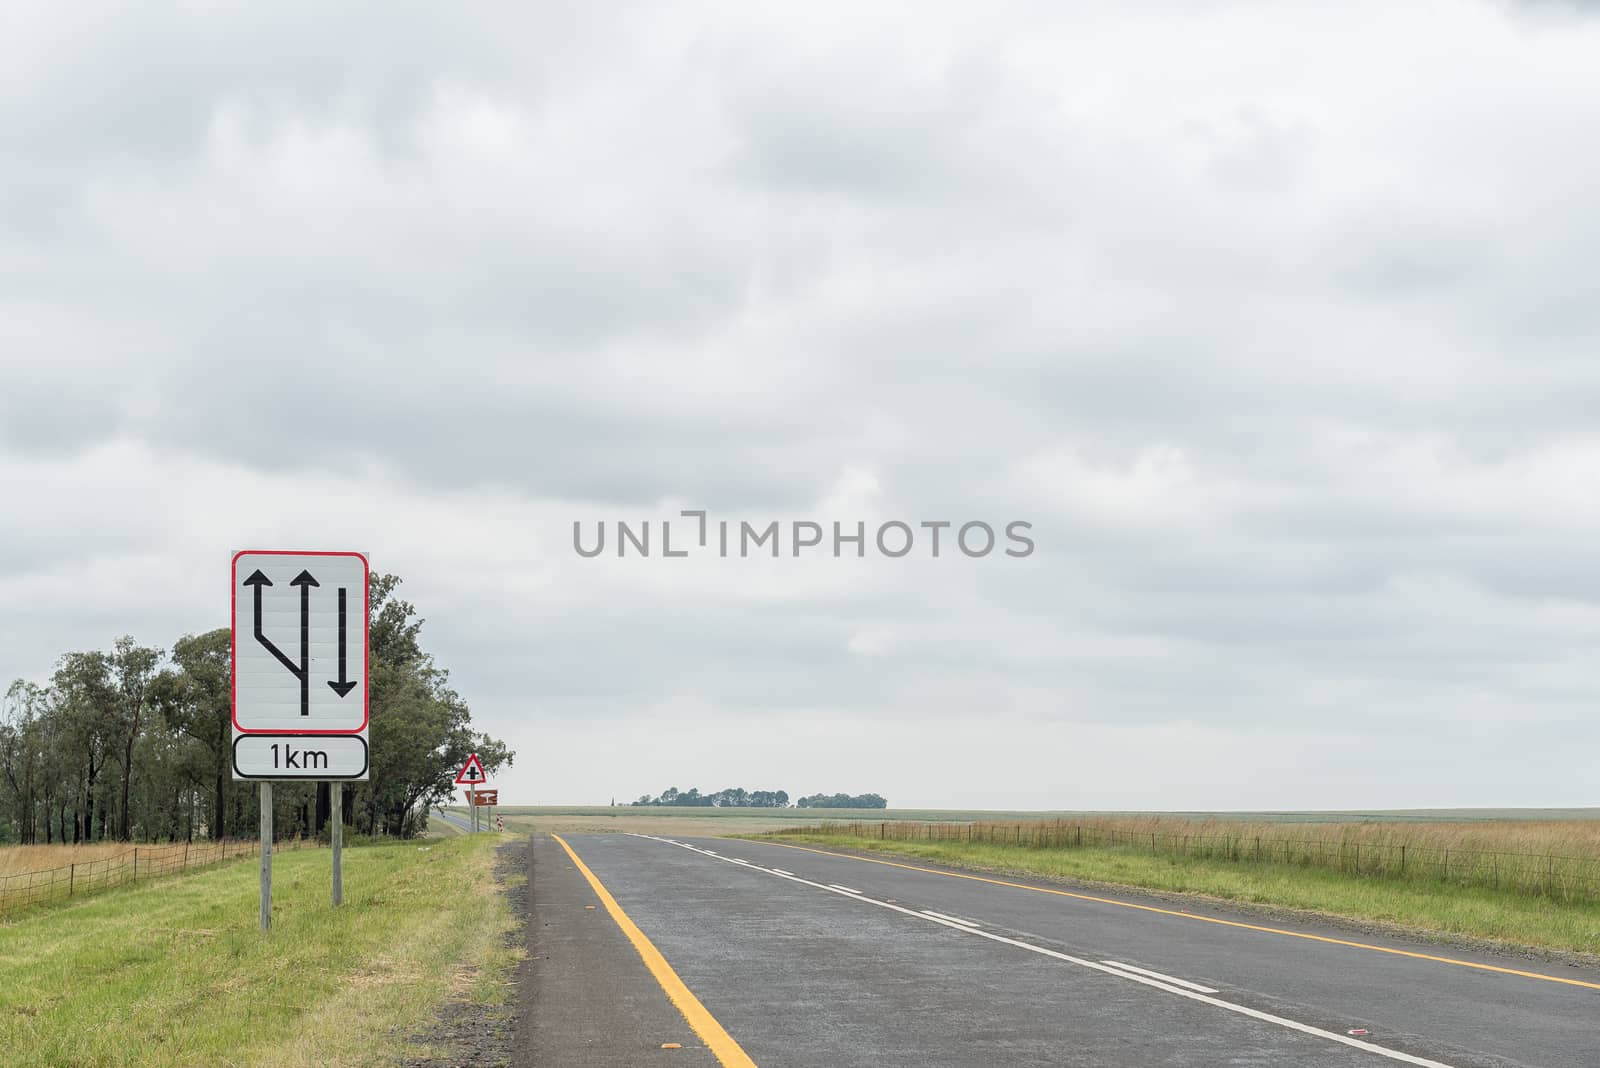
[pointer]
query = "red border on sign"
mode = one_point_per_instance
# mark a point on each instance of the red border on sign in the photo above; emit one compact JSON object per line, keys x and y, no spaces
{"x":233,"y":638}
{"x":472,"y":758}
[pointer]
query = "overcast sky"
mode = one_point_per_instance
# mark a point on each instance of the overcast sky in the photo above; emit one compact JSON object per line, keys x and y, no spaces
{"x":1279,"y":322}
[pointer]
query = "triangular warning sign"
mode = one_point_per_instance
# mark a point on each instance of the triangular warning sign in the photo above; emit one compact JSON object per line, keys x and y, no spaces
{"x":471,"y":773}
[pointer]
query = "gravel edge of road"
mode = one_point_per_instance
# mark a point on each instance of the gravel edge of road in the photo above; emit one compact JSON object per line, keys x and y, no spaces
{"x":1421,"y":936}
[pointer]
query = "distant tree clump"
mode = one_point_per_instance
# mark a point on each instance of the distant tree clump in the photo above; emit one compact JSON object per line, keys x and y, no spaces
{"x":739,"y":797}
{"x":842,"y":801}
{"x":732,"y":797}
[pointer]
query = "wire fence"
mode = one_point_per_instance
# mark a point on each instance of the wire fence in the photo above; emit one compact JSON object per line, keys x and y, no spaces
{"x":24,"y":889}
{"x":1563,"y":878}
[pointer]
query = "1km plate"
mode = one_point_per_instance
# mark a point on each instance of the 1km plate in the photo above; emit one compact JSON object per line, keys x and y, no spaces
{"x":298,"y":756}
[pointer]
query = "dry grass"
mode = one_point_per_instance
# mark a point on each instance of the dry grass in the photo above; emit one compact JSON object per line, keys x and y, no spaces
{"x":14,"y":859}
{"x":1576,"y":838}
{"x":33,"y":875}
{"x":17,"y":859}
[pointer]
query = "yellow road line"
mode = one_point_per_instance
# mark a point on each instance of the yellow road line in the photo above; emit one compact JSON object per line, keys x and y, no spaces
{"x":1203,"y":919}
{"x":717,"y":1040}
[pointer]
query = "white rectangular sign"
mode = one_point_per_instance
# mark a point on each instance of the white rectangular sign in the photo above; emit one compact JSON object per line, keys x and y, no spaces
{"x":299,"y":661}
{"x":299,"y":756}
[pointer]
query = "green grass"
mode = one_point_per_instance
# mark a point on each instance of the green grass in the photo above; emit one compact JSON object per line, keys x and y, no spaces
{"x":1471,"y":912}
{"x":177,"y":972}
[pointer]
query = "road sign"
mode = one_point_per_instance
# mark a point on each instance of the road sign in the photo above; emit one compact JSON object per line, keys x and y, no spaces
{"x":471,"y":773}
{"x":485,"y":797}
{"x":299,"y":756}
{"x":299,"y":682}
{"x":300,"y":643}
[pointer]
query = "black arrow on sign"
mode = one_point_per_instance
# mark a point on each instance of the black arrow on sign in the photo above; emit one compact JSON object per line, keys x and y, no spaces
{"x":342,"y":687}
{"x":301,"y":670}
{"x":258,"y":580}
{"x":305,"y":582}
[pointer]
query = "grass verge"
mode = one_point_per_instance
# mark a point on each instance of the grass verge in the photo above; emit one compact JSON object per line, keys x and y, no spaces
{"x":178,"y":973}
{"x":1455,"y":911}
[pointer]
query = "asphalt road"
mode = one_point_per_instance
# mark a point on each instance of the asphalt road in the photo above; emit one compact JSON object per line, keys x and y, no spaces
{"x":809,"y":959}
{"x":460,"y":823}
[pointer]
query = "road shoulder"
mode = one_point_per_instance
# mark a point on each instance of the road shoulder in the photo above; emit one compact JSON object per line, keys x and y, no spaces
{"x":586,"y":999}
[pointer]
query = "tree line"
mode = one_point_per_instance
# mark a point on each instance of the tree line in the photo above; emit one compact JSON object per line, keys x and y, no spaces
{"x":842,"y":801}
{"x":135,"y":743}
{"x":738,"y":797}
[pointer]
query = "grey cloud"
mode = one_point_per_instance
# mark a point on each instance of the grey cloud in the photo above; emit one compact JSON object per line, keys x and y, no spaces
{"x":1292,"y":373}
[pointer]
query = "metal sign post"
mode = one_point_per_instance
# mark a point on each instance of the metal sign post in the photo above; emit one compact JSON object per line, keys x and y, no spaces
{"x":486,"y":799}
{"x":266,"y":856}
{"x":336,"y":804}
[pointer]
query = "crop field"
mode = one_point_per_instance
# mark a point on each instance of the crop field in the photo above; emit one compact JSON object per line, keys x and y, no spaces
{"x":952,"y":815}
{"x":666,"y":819}
{"x":1372,"y":847}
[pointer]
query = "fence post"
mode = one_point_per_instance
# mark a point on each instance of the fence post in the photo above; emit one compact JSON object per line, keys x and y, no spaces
{"x":72,"y":877}
{"x":1079,"y":829}
{"x":135,"y":863}
{"x":1402,"y":859}
{"x":186,"y":856}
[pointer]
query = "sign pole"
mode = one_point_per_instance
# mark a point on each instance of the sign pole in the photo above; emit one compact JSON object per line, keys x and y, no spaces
{"x":336,"y":797}
{"x":266,"y":856}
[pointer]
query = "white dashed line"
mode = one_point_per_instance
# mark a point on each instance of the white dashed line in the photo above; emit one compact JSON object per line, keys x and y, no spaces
{"x":952,"y":919}
{"x":1159,"y":975}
